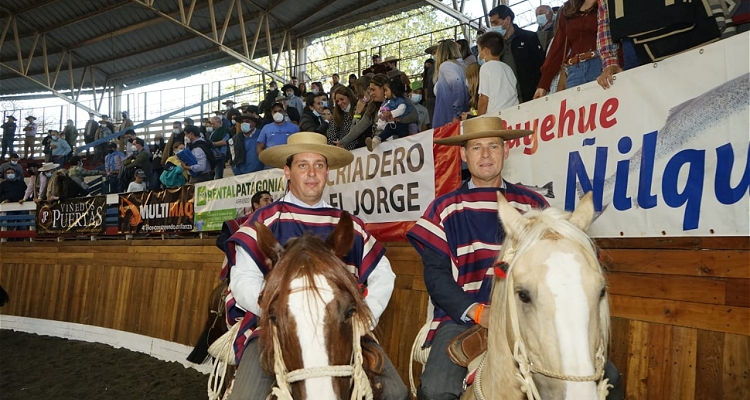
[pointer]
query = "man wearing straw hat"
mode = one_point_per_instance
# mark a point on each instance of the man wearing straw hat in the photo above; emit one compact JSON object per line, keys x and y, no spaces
{"x":306,"y":159}
{"x":441,"y":235}
{"x":460,"y":286}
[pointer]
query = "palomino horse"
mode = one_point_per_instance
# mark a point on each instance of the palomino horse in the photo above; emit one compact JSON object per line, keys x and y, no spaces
{"x":314,"y":317}
{"x":549,"y":321}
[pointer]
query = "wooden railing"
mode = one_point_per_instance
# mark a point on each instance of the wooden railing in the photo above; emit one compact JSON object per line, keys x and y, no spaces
{"x":680,"y":306}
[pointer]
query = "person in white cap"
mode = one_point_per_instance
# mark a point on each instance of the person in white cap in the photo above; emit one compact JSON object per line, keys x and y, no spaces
{"x":306,"y":159}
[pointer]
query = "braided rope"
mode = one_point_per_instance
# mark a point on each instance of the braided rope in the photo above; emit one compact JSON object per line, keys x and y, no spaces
{"x":526,"y":368}
{"x":361,"y":384}
{"x":419,"y":354}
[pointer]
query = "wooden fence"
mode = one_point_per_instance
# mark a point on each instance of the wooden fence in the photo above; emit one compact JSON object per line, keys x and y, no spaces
{"x":680,"y":307}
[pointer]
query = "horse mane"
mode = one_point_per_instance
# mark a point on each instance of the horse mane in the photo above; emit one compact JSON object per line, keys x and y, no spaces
{"x":305,"y":256}
{"x":553,"y":223}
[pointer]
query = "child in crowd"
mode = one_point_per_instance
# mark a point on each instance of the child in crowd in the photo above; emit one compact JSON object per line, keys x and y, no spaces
{"x":139,"y":184}
{"x":394,"y":106}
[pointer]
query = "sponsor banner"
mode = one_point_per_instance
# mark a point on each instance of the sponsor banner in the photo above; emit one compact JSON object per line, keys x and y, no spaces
{"x":156,"y":211}
{"x":665,"y":150}
{"x":392,"y":184}
{"x":229,"y":198}
{"x":85,"y":215}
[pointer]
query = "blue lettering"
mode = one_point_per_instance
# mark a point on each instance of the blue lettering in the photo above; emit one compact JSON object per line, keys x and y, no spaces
{"x":722,"y":185}
{"x":647,"y":200}
{"x":577,"y":173}
{"x":620,"y":199}
{"x":692,"y":194}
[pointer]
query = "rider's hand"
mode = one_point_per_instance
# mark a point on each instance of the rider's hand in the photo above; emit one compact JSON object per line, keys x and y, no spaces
{"x":607,"y":79}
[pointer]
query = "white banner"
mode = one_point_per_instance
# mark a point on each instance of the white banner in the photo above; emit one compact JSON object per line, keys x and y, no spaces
{"x":665,"y":150}
{"x":396,"y":182}
{"x":229,"y":198}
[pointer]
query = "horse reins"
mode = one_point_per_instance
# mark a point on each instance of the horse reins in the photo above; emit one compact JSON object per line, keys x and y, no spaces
{"x":361,"y":384}
{"x":525,"y":366}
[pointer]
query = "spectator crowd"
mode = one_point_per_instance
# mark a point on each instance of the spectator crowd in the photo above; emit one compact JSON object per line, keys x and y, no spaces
{"x":574,"y":44}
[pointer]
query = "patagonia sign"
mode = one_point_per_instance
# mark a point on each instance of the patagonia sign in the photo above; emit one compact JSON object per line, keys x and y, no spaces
{"x":156,"y":211}
{"x":86,"y":215}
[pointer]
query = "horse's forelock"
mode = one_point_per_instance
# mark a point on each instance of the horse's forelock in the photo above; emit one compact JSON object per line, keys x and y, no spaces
{"x":306,"y":256}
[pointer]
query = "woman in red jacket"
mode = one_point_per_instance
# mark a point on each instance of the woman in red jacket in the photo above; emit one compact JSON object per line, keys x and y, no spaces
{"x":574,"y":45}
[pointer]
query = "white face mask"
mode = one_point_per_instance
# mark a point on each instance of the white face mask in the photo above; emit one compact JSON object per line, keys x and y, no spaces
{"x":13,"y":162}
{"x":48,"y":174}
{"x":278,"y":117}
{"x":245,"y":127}
{"x":210,"y":129}
{"x":416,"y":98}
{"x":10,"y":177}
{"x":175,"y":131}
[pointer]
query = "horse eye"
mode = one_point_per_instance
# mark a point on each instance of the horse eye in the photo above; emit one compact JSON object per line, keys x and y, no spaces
{"x":272,"y":317}
{"x":523,"y":295}
{"x":603,"y":293}
{"x":350,"y":312}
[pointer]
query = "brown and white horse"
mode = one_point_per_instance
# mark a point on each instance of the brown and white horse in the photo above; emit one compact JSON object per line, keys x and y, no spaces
{"x":549,"y":321}
{"x":314,"y":317}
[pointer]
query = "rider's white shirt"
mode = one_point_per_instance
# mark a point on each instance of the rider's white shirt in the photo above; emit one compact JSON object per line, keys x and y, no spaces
{"x":247,"y":280}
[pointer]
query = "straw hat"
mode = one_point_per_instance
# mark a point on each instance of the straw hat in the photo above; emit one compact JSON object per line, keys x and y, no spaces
{"x":391,"y":59}
{"x":482,"y":127}
{"x":306,"y":142}
{"x":48,"y":166}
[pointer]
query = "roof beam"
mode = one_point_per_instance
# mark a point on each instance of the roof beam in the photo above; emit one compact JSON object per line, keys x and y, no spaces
{"x":226,"y":49}
{"x":347,"y":16}
{"x":453,"y":13}
{"x":77,"y":19}
{"x":54,"y":92}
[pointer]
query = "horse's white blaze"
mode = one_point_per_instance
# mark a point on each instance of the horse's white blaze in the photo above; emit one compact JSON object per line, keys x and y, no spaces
{"x":307,"y":308}
{"x":572,"y":322}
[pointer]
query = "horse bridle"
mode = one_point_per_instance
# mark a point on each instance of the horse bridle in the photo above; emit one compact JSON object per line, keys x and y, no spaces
{"x":525,"y":366}
{"x":360,"y":389}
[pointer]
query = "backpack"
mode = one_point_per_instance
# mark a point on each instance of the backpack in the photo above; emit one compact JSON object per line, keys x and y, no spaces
{"x":208,"y":148}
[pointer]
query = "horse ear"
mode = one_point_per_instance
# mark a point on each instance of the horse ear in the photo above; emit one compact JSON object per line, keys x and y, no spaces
{"x":341,"y":239}
{"x":512,"y":220}
{"x":584,"y":213}
{"x":268,"y":244}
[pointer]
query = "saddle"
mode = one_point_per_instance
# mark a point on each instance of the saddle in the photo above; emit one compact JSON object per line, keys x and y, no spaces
{"x":468,"y":345}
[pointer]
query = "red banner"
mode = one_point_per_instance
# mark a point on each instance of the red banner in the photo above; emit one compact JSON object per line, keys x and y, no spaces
{"x":447,"y":179}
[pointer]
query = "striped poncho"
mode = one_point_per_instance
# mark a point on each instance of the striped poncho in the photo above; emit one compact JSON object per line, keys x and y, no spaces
{"x":463,"y":226}
{"x":286,"y":221}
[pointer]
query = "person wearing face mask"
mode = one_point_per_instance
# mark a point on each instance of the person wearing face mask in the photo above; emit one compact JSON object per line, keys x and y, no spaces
{"x":59,"y":147}
{"x":293,"y":99}
{"x":415,"y":95}
{"x":291,"y":113}
{"x":12,"y":188}
{"x":45,"y":174}
{"x":13,"y":163}
{"x":312,"y":119}
{"x":497,"y":83}
{"x":267,"y":103}
{"x":175,"y":172}
{"x":178,"y":136}
{"x":276,"y":133}
{"x":130,"y":137}
{"x":545,"y":19}
{"x":112,"y":165}
{"x":316,"y":88}
{"x":219,"y":137}
{"x":343,"y":117}
{"x":244,"y":145}
{"x":522,"y":51}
